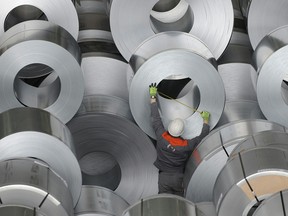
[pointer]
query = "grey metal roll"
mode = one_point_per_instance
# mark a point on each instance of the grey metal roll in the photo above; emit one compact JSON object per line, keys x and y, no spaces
{"x":31,"y":183}
{"x":18,"y":211}
{"x":270,"y":61}
{"x":96,"y":200}
{"x":177,"y":62}
{"x":276,"y":204}
{"x":31,"y":132}
{"x":199,"y":20}
{"x":163,"y":204}
{"x":165,"y":41}
{"x":52,"y":9}
{"x":211,"y":154}
{"x":248,"y":178}
{"x":263,"y":17}
{"x":124,"y":144}
{"x":40,"y":42}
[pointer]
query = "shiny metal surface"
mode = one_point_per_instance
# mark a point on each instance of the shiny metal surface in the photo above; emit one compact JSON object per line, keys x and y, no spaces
{"x":18,"y":211}
{"x":271,"y":63}
{"x":206,"y":208}
{"x":162,"y":204}
{"x":239,"y":80}
{"x":35,"y":49}
{"x":211,"y":154}
{"x":165,"y":41}
{"x":202,"y":16}
{"x":31,"y":132}
{"x":249,"y":177}
{"x":264,"y":17}
{"x":126,"y":143}
{"x":177,"y":62}
{"x":29,"y":182}
{"x":276,"y":204}
{"x":53,"y":9}
{"x":100,"y":201}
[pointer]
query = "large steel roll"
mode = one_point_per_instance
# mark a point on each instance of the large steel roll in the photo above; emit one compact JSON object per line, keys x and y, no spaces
{"x":40,"y":42}
{"x":263,"y":17}
{"x":31,"y":132}
{"x":248,"y":178}
{"x":128,"y":154}
{"x":163,"y":205}
{"x":210,"y":21}
{"x":52,"y":9}
{"x":276,"y":204}
{"x":31,"y":183}
{"x":271,"y":63}
{"x":99,"y":201}
{"x":184,"y":63}
{"x":211,"y":154}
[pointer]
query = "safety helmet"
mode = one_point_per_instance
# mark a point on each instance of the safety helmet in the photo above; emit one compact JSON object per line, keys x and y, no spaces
{"x":176,"y":127}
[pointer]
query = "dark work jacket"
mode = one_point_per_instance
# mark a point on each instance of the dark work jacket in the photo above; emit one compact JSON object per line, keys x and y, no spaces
{"x":172,"y":152}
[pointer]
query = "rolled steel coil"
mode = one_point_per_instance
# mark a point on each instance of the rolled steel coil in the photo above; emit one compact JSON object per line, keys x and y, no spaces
{"x":31,"y":183}
{"x":177,"y":62}
{"x":270,"y":60}
{"x":248,"y":178}
{"x":211,"y":154}
{"x":263,"y":17}
{"x":163,"y":204}
{"x":53,"y":10}
{"x":276,"y":204}
{"x":99,"y":201}
{"x":126,"y":16}
{"x":126,"y":143}
{"x":31,"y":132}
{"x":42,"y":45}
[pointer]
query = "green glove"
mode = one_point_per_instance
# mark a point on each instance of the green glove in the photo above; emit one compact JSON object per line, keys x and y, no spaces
{"x":153,"y":90}
{"x":205,"y":115}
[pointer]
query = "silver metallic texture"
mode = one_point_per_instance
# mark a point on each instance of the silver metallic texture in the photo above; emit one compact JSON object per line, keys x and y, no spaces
{"x":210,"y":21}
{"x":42,"y":42}
{"x":32,"y":132}
{"x":99,"y":201}
{"x":31,"y":183}
{"x":211,"y":154}
{"x":249,"y":177}
{"x":177,"y":62}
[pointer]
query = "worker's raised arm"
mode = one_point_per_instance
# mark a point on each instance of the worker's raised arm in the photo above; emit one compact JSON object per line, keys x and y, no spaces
{"x":156,"y":119}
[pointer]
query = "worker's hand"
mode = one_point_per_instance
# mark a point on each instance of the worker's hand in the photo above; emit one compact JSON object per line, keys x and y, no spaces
{"x":153,"y":90}
{"x":206,"y":116}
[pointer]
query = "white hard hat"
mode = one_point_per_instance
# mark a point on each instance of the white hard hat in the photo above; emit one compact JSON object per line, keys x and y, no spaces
{"x":176,"y":127}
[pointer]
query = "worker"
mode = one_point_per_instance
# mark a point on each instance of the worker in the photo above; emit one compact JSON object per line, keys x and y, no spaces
{"x":172,"y":150}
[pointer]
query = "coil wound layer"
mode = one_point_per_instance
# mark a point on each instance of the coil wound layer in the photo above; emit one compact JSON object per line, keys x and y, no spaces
{"x":31,"y":183}
{"x":36,"y":42}
{"x":100,"y":201}
{"x":211,"y":154}
{"x":126,"y":16}
{"x":31,"y":132}
{"x":177,"y":62}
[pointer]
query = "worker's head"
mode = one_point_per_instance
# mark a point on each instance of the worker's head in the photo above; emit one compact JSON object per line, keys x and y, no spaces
{"x":176,"y":127}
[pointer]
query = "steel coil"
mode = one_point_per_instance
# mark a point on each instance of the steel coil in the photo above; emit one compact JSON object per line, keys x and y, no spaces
{"x":163,"y":204}
{"x":177,"y":62}
{"x":53,"y":10}
{"x":263,"y":17}
{"x":31,"y":183}
{"x":248,"y":178}
{"x":31,"y":132}
{"x":211,"y":154}
{"x":99,"y":201}
{"x":128,"y":147}
{"x":199,"y":20}
{"x":271,"y":63}
{"x":276,"y":204}
{"x":42,"y":45}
